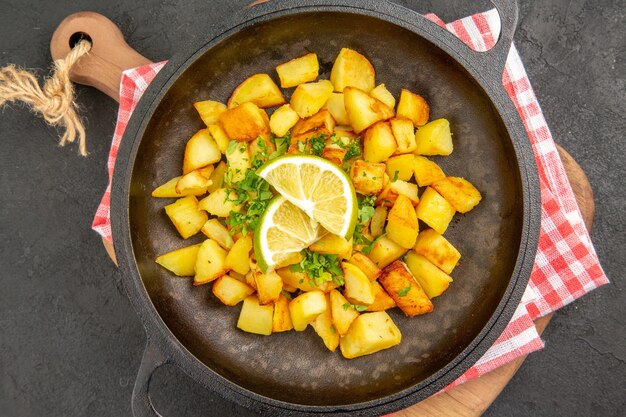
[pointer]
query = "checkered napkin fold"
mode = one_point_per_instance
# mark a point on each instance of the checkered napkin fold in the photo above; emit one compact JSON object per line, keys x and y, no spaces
{"x":566,"y":265}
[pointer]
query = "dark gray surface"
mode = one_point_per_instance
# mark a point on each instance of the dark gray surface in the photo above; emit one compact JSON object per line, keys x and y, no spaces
{"x":70,"y":343}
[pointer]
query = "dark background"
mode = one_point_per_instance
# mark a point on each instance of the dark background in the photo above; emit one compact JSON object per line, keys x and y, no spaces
{"x":70,"y":343}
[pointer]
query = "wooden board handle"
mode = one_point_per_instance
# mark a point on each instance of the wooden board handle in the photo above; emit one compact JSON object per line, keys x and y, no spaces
{"x":109,"y":56}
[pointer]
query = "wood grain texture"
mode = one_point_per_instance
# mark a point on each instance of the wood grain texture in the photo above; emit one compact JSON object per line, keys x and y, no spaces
{"x":472,"y":398}
{"x":102,"y":69}
{"x":109,"y":56}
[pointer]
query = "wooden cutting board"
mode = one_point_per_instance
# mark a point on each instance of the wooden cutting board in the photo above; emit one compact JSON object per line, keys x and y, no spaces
{"x":103,"y":67}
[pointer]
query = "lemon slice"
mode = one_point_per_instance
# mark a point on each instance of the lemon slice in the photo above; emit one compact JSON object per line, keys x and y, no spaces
{"x":284,"y":229}
{"x":318,"y":187}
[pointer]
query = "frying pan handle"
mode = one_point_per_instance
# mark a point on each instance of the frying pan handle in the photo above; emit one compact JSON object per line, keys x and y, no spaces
{"x":152,"y":359}
{"x":109,"y":56}
{"x":495,"y":58}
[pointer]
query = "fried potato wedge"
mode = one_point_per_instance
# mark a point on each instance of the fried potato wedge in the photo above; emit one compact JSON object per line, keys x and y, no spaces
{"x":256,"y":318}
{"x":382,"y":300}
{"x":219,"y":203}
{"x":337,"y":108}
{"x":401,"y":285}
{"x":259,"y":89}
{"x":283,"y":119}
{"x":385,"y":251}
{"x":402,"y":225}
{"x":209,"y":263}
{"x":215,"y":230}
{"x":306,"y":307}
{"x":426,"y":171}
{"x":298,"y":71}
{"x":377,"y":224}
{"x":437,"y":250}
{"x":195,"y":181}
{"x":245,"y":122}
{"x":238,"y":258}
{"x":268,"y":286}
{"x":379,"y":143}
{"x":370,"y":333}
{"x":363,"y":110}
{"x":404,"y":132}
{"x":434,"y":210}
{"x":367,"y":177}
{"x":459,"y":192}
{"x":201,"y":150}
{"x":282,"y":318}
{"x":351,"y":69}
{"x":186,"y":216}
{"x":231,"y":291}
{"x":433,"y":280}
{"x":381,"y":93}
{"x":434,"y":138}
{"x":309,"y":98}
{"x":324,"y":327}
{"x":413,"y":107}
{"x":400,"y":167}
{"x":168,"y":190}
{"x":357,"y":285}
{"x":332,"y":244}
{"x":365,"y":264}
{"x":209,"y":111}
{"x":342,"y":314}
{"x":181,"y":262}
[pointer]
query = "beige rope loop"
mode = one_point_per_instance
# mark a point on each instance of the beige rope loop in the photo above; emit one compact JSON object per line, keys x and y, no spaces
{"x":55,"y":101}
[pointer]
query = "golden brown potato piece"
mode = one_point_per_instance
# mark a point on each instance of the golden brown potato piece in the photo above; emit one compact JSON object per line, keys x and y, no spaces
{"x":381,"y":93}
{"x":432,"y":279}
{"x":209,"y":263}
{"x":413,"y":107}
{"x":402,"y":225}
{"x":365,"y":264}
{"x":181,"y":262}
{"x":256,"y":318}
{"x":402,"y":165}
{"x":217,"y":177}
{"x":437,"y":250}
{"x":268,"y":286}
{"x":283,"y":119}
{"x":404,"y":132}
{"x":306,"y":307}
{"x":245,"y":122}
{"x":209,"y":111}
{"x":385,"y":251}
{"x":364,"y":110}
{"x":323,"y":326}
{"x":351,"y":69}
{"x":337,"y":108}
{"x":309,"y":98}
{"x":377,"y":224}
{"x":367,"y":177}
{"x":215,"y":230}
{"x":379,"y":143}
{"x":168,"y":190}
{"x":434,"y":138}
{"x":186,"y":216}
{"x":195,"y":181}
{"x":220,"y":136}
{"x":334,"y":153}
{"x":370,"y":333}
{"x":434,"y":210}
{"x":393,"y":189}
{"x":342,"y":314}
{"x":259,"y":89}
{"x":231,"y":291}
{"x":357,"y":285}
{"x":282,"y":318}
{"x":219,"y":203}
{"x":298,"y":71}
{"x":459,"y":192}
{"x":426,"y":171}
{"x":400,"y":284}
{"x":320,"y":122}
{"x":238,"y":258}
{"x":201,"y":150}
{"x":332,"y":244}
{"x":382,"y":300}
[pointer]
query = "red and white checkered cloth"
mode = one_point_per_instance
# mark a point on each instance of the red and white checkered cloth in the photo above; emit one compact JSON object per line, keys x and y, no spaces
{"x":566,"y":265}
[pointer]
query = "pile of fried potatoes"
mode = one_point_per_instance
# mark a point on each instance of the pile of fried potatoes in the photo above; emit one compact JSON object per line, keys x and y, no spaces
{"x":402,"y":267}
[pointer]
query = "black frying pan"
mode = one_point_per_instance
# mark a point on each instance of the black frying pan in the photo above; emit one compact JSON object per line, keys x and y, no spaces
{"x":293,"y":373}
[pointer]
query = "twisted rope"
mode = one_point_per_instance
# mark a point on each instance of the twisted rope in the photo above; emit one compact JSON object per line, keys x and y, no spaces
{"x":55,"y":101}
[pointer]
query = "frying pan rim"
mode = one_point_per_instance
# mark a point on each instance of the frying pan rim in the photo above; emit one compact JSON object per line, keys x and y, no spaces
{"x":159,"y":333}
